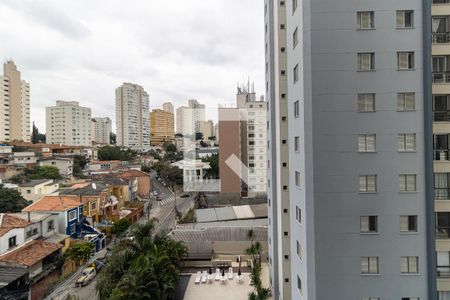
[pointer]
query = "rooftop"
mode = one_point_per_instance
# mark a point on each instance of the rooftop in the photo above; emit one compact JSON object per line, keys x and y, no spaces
{"x":231,"y":289}
{"x":54,"y":203}
{"x":132,"y":173}
{"x":239,"y":212}
{"x":30,"y":253}
{"x":9,"y":222}
{"x":34,"y":217}
{"x":91,"y":189}
{"x":35,"y":182}
{"x":10,"y":273}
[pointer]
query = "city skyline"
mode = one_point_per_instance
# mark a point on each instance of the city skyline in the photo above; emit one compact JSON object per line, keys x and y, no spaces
{"x":146,"y":56}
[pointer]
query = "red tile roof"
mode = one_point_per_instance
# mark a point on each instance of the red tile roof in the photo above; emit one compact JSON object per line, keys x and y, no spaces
{"x":132,"y":173}
{"x":54,"y":203}
{"x":30,"y":253}
{"x":8,"y":222}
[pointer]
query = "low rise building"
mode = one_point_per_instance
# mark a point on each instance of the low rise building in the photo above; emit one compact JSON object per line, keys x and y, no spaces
{"x":140,"y":183}
{"x":64,"y":165}
{"x":35,"y":189}
{"x":24,"y":159}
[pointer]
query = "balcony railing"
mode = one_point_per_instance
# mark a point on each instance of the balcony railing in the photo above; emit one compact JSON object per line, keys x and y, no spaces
{"x":443,"y":271}
{"x":441,"y":1}
{"x":441,"y":155}
{"x":443,"y":233}
{"x":441,"y":37}
{"x":442,"y":194}
{"x":441,"y":116}
{"x":441,"y":77}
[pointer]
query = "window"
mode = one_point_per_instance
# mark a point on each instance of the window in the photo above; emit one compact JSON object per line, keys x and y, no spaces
{"x":299,"y":284}
{"x":369,"y":265}
{"x":93,"y":205}
{"x":366,"y":61}
{"x":297,"y":144}
{"x":408,"y":223}
{"x":370,"y":298}
{"x":405,"y":19}
{"x":441,"y":108}
{"x":409,"y":265}
{"x":72,"y":215}
{"x":297,"y":178}
{"x":298,"y":214}
{"x":295,"y":73}
{"x":407,"y":182}
{"x":405,"y":60}
{"x":295,"y":38}
{"x":296,"y":109}
{"x":368,"y":224}
{"x":368,"y":183}
{"x":73,"y":228}
{"x":406,"y":142}
{"x":294,"y":5}
{"x":406,"y":102}
{"x":299,"y":250}
{"x":440,"y":29}
{"x":12,"y":242}
{"x":50,"y":225}
{"x":286,"y":280}
{"x":365,"y":20}
{"x":367,"y":143}
{"x":410,"y":298}
{"x":366,"y":102}
{"x":441,"y":68}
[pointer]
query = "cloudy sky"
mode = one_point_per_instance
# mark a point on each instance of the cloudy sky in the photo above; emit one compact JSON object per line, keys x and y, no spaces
{"x":177,"y":50}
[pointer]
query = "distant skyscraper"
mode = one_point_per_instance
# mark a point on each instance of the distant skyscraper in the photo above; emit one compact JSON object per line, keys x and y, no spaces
{"x":68,"y":124}
{"x":168,"y":106}
{"x":161,"y":127}
{"x":101,"y":130}
{"x":132,"y":117}
{"x":207,"y":129}
{"x":14,"y":105}
{"x":190,"y":117}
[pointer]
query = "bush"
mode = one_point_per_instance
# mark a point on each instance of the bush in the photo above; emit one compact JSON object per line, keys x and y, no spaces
{"x":120,"y":226}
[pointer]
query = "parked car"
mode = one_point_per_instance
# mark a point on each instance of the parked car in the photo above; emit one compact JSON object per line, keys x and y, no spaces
{"x":87,"y":275}
{"x":185,"y":195}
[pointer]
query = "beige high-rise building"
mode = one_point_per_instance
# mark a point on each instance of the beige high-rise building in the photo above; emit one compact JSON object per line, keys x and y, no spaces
{"x":101,"y":130}
{"x":132,"y":117}
{"x":14,"y":105}
{"x":190,"y":117}
{"x":168,"y":106}
{"x":68,"y":123}
{"x":207,"y":129}
{"x":161,"y":127}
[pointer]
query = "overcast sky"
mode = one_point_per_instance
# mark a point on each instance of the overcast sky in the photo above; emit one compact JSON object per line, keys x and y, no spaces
{"x":177,"y":50}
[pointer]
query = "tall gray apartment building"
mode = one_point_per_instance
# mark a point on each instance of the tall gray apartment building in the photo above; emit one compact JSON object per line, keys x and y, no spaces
{"x":350,"y":163}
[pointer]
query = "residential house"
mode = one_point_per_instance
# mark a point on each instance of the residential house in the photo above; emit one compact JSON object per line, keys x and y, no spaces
{"x":96,"y":200}
{"x":35,"y":189}
{"x":68,"y":208}
{"x":22,"y":243}
{"x":64,"y":165}
{"x":98,"y":167}
{"x":119,"y":188}
{"x":143,"y":186}
{"x":24,"y":159}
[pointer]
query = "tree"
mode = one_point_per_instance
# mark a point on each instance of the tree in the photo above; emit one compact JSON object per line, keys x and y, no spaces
{"x":116,"y":153}
{"x":112,"y":138}
{"x":37,"y":137}
{"x":120,"y":226}
{"x":169,"y":147}
{"x":11,"y":201}
{"x":79,"y":162}
{"x":214,"y":164}
{"x":255,"y":250}
{"x":44,"y":172}
{"x":146,"y":268}
{"x":79,"y":251}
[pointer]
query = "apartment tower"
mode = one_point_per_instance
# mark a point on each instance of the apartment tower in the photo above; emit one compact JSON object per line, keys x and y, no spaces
{"x":132,"y":117}
{"x":161,"y":127}
{"x":441,"y":143}
{"x":168,"y":106}
{"x":68,"y":123}
{"x":101,"y":129}
{"x":350,"y":198}
{"x":190,"y":117}
{"x":14,"y":105}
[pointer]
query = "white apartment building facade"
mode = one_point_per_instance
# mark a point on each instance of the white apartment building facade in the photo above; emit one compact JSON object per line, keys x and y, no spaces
{"x":349,"y":145}
{"x":14,"y":105}
{"x":101,"y":129}
{"x":189,"y":118}
{"x":68,"y":123}
{"x":132,"y":117}
{"x":168,"y":106}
